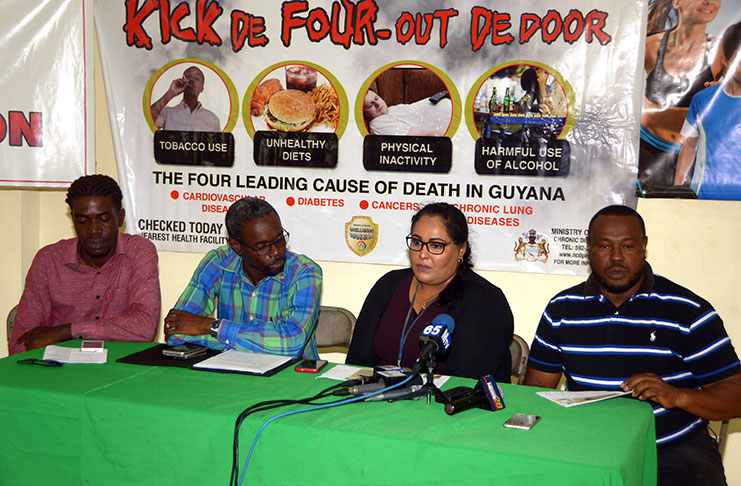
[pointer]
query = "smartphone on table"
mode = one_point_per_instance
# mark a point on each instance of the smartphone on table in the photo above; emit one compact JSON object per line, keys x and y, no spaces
{"x":522,"y":421}
{"x":184,"y":351}
{"x":311,"y":365}
{"x":90,"y":345}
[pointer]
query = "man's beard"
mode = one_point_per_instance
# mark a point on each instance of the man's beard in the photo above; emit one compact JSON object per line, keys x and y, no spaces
{"x":275,"y":269}
{"x":619,"y":289}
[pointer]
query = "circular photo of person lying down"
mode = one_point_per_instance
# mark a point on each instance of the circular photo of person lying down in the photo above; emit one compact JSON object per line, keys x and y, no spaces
{"x":408,"y":99}
{"x":295,"y":96}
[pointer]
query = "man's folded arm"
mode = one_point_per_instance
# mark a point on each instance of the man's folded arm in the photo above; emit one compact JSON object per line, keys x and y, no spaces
{"x":34,"y":308}
{"x":721,"y":400}
{"x":199,"y":296}
{"x":542,"y":379}
{"x":544,"y":363}
{"x":287,"y":334}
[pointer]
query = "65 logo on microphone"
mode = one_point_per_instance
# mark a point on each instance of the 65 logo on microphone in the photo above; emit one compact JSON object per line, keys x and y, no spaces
{"x":438,"y":330}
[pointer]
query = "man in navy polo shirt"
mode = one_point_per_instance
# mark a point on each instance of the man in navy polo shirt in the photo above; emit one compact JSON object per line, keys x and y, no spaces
{"x":627,"y":328}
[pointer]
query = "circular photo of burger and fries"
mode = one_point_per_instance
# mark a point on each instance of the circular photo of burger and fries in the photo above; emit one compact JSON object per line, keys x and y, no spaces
{"x":295,"y":98}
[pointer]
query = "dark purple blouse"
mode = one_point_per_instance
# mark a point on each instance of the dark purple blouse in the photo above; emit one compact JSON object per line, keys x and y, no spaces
{"x":388,"y":335}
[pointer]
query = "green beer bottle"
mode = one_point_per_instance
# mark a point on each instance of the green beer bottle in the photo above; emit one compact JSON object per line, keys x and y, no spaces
{"x":493,"y":100}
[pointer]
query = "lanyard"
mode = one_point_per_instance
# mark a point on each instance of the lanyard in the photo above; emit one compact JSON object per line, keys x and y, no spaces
{"x":405,"y":331}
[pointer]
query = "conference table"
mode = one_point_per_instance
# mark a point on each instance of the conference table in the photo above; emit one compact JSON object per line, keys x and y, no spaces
{"x":118,"y":423}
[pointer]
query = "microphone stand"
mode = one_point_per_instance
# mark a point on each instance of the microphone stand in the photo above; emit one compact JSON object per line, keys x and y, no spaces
{"x":429,"y":387}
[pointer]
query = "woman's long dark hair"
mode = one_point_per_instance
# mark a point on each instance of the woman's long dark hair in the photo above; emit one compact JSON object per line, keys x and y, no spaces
{"x":661,"y":17}
{"x":457,"y":228}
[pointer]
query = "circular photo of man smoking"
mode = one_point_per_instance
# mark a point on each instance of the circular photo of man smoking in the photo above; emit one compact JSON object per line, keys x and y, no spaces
{"x":191,"y":95}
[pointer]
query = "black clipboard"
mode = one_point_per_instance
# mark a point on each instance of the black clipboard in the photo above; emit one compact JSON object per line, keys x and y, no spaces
{"x":153,"y":357}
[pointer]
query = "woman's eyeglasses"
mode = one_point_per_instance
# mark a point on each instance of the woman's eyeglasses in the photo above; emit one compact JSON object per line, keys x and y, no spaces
{"x":433,"y":247}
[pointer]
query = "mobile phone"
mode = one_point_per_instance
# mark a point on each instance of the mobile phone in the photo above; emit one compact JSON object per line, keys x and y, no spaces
{"x":92,"y":346}
{"x":183,"y":351}
{"x":522,"y":421}
{"x":311,"y":365}
{"x":438,"y":96}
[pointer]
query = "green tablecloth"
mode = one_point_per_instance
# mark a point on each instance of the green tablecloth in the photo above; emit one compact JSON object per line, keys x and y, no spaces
{"x":131,"y":424}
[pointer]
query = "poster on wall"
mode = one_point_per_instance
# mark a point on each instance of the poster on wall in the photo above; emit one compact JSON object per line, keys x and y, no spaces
{"x":46,"y":112}
{"x":691,"y":117}
{"x":348,"y":115}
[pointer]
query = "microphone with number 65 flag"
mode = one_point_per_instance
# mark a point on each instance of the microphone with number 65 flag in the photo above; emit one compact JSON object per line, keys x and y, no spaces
{"x":434,"y":340}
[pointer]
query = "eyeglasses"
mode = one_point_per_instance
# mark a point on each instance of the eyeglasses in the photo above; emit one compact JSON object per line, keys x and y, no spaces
{"x":434,"y":247}
{"x":40,"y":362}
{"x":280,"y":242}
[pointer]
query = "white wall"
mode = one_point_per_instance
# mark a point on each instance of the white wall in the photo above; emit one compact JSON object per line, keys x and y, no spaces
{"x":691,"y":242}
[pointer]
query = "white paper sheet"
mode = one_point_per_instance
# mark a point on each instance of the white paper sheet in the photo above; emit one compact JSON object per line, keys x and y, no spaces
{"x":574,"y":398}
{"x":74,"y":355}
{"x":233,"y":360}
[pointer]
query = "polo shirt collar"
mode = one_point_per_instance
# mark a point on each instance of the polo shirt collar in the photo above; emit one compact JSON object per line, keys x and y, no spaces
{"x":591,"y":289}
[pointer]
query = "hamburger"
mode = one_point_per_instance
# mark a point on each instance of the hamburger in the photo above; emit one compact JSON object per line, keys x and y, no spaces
{"x":290,"y":110}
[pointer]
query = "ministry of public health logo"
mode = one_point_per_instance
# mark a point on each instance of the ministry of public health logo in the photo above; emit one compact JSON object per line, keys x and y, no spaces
{"x":532,"y":247}
{"x":361,"y":235}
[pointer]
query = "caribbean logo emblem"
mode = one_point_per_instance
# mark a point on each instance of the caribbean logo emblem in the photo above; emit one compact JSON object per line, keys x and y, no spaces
{"x":361,"y":235}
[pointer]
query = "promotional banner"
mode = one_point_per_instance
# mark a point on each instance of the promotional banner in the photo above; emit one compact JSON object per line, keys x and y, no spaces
{"x":348,"y":115}
{"x":691,"y":121}
{"x":46,"y":112}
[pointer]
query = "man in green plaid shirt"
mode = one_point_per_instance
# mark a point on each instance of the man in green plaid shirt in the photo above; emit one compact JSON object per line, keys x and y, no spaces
{"x":266,"y":298}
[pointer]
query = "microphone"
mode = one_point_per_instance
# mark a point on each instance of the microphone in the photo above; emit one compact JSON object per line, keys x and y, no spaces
{"x":434,"y":340}
{"x":358,"y":390}
{"x":472,"y":400}
{"x":414,"y":391}
{"x":486,"y":394}
{"x":381,"y":382}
